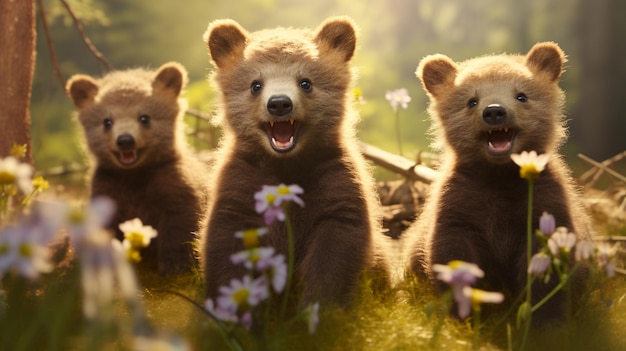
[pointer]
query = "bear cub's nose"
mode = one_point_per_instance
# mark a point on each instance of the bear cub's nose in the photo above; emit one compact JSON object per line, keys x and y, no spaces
{"x":125,"y":142}
{"x":279,"y":105}
{"x":494,"y":114}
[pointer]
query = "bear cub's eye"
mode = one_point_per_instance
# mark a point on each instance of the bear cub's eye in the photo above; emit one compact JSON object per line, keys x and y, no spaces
{"x":144,"y":119}
{"x":521,"y":97}
{"x":306,"y":85}
{"x":108,"y":123}
{"x":256,"y":87}
{"x":473,"y":102}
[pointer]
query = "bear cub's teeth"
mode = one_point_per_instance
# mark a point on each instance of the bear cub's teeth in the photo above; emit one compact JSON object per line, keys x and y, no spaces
{"x":500,"y":140}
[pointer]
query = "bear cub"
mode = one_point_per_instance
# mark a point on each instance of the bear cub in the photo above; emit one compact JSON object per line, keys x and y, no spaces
{"x":482,"y":111}
{"x":132,"y":122}
{"x":285,"y":106}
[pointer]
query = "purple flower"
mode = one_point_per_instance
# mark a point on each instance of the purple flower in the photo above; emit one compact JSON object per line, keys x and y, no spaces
{"x":547,"y":224}
{"x":399,"y":97}
{"x":271,"y":198}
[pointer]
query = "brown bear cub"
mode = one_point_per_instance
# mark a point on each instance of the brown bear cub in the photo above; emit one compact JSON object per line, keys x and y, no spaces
{"x":285,"y":105}
{"x":483,"y":110}
{"x":132,"y":122}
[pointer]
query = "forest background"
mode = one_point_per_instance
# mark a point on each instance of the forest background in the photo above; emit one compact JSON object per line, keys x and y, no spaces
{"x":394,"y":36}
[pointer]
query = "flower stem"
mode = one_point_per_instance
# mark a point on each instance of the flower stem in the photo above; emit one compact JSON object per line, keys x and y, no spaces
{"x":290,"y":266}
{"x":555,"y":290}
{"x":529,"y":249}
{"x":398,"y":138}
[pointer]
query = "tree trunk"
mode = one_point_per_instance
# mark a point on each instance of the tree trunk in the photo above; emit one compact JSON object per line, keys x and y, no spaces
{"x":17,"y":42}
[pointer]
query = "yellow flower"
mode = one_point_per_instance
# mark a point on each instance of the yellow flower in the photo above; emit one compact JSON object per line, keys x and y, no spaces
{"x":530,"y":164}
{"x":18,"y":151}
{"x":40,"y":184}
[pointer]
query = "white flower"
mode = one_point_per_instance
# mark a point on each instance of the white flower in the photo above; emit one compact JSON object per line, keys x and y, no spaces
{"x":104,"y":270}
{"x":475,"y":297}
{"x":15,"y":173}
{"x":223,"y":314}
{"x":270,"y":199}
{"x":137,"y":235}
{"x":251,"y":237}
{"x":95,"y":217}
{"x":561,"y":242}
{"x":312,"y":316}
{"x":530,"y":163}
{"x":23,"y":250}
{"x":458,"y":272}
{"x":242,"y":294}
{"x":584,"y":250}
{"x":399,"y":97}
{"x":276,"y":267}
{"x":605,"y":255}
{"x":253,"y":258}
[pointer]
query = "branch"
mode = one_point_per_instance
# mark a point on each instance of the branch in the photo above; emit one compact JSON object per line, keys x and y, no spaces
{"x":398,"y":164}
{"x":86,"y":39}
{"x":602,"y":166}
{"x":53,"y":56}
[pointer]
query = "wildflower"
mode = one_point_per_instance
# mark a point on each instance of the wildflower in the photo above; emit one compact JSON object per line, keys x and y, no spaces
{"x":398,"y":97}
{"x":477,"y":297}
{"x":226,"y":315}
{"x":358,"y":96}
{"x":253,"y":258}
{"x":605,"y":258}
{"x":84,"y":221}
{"x":242,"y":294}
{"x":251,"y":237}
{"x":530,"y":164}
{"x":312,"y":316}
{"x":24,"y":251}
{"x":40,"y":184}
{"x":539,"y":264}
{"x":14,"y":173}
{"x":584,"y":250}
{"x":23,"y":247}
{"x":547,"y":224}
{"x":18,"y":151}
{"x":561,"y":242}
{"x":103,"y":268}
{"x":459,"y":274}
{"x":276,"y":267}
{"x":270,"y":199}
{"x":137,"y":235}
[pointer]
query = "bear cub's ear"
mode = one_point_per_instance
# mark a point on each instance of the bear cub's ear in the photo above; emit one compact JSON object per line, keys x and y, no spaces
{"x":170,"y":77}
{"x":437,"y":73}
{"x":226,"y":40}
{"x":82,"y":89}
{"x":546,"y":59}
{"x":337,"y":35}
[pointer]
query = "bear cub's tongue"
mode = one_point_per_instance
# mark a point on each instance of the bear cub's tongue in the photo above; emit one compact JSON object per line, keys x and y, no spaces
{"x":282,"y":134}
{"x":500,"y":141}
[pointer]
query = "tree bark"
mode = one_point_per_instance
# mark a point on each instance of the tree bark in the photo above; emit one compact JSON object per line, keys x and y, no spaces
{"x":17,"y":59}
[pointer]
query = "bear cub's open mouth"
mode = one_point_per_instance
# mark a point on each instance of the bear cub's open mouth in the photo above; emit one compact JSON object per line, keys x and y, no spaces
{"x":500,"y":141}
{"x":127,"y":157}
{"x":282,"y":134}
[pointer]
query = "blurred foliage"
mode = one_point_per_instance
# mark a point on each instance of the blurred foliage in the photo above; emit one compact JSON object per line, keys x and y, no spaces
{"x":394,"y":36}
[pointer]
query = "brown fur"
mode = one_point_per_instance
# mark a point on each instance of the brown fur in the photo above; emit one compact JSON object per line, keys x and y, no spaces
{"x":166,"y":185}
{"x":337,"y":233}
{"x":477,"y":207}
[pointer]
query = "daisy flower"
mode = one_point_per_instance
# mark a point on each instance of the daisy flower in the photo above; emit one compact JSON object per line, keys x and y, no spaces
{"x":23,"y":251}
{"x":242,"y":294}
{"x":476,"y":297}
{"x":136,"y":234}
{"x":530,"y":164}
{"x":561,"y":242}
{"x":15,"y":173}
{"x":253,"y":258}
{"x":270,"y":199}
{"x":251,"y":237}
{"x":399,"y":97}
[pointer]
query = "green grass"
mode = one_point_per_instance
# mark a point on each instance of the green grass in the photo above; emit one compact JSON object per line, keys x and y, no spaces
{"x":47,"y":316}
